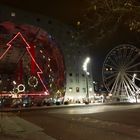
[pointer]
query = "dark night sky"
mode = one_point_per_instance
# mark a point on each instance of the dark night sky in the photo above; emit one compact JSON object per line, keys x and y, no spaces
{"x":67,"y":11}
{"x":71,"y":11}
{"x":120,"y":36}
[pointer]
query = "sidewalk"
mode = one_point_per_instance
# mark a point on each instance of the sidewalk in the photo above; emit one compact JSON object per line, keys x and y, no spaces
{"x":15,"y":128}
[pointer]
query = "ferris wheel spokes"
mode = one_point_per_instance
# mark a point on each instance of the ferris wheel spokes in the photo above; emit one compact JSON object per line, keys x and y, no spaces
{"x":110,"y":76}
{"x":114,"y":63}
{"x":135,"y":65}
{"x":133,"y":60}
{"x":111,"y":82}
{"x":133,"y":71}
{"x":114,"y":87}
{"x":131,"y":81}
{"x":118,"y":72}
{"x":128,"y":57}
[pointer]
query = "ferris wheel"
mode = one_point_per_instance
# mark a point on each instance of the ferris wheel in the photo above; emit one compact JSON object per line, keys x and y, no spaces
{"x":121,"y":73}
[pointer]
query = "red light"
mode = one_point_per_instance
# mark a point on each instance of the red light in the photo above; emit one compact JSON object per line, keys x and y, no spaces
{"x":28,"y":50}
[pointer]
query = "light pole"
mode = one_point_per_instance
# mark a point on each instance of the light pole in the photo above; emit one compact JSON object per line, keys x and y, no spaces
{"x":87,"y":60}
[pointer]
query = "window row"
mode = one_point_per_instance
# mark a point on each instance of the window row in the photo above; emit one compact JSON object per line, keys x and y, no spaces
{"x":77,"y":75}
{"x":77,"y":89}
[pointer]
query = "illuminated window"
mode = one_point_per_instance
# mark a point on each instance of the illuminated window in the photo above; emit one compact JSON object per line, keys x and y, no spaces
{"x":90,"y":89}
{"x":70,"y":89}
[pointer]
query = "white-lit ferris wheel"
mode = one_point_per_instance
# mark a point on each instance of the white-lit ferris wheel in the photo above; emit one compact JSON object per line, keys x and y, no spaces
{"x":121,"y":73}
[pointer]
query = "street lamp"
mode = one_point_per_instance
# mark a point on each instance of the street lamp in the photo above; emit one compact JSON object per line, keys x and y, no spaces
{"x":87,"y":60}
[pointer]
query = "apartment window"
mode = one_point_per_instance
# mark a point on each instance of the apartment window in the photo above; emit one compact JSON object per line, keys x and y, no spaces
{"x":83,"y":75}
{"x":71,"y":80}
{"x":77,"y":75}
{"x":84,"y":90}
{"x":77,"y":78}
{"x":70,"y":89}
{"x":77,"y":89}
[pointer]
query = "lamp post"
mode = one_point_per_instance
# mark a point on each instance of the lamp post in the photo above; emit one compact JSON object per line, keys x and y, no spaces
{"x":85,"y":64}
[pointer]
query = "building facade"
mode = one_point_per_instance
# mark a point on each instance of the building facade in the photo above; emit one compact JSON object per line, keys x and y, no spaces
{"x":77,"y":84}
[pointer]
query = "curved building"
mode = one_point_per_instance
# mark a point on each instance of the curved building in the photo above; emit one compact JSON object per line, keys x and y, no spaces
{"x":64,"y":54}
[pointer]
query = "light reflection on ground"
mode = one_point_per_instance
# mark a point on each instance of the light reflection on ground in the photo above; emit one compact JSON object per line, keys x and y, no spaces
{"x":93,"y":109}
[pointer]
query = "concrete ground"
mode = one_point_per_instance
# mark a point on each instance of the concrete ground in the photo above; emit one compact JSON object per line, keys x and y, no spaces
{"x":15,"y":128}
{"x":97,"y":122}
{"x":88,"y":122}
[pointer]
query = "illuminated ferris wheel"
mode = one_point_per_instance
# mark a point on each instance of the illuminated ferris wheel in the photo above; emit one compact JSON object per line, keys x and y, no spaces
{"x":121,"y":73}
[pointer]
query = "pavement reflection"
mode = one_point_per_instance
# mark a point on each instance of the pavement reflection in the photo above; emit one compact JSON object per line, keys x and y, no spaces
{"x":93,"y":109}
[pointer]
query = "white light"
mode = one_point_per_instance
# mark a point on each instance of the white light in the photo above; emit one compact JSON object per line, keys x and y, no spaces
{"x":13,"y":14}
{"x":78,"y":23}
{"x":134,"y":76}
{"x":70,"y":89}
{"x":110,"y":94}
{"x":87,"y":73}
{"x":21,"y":88}
{"x":41,"y":51}
{"x":45,"y":93}
{"x":87,"y":60}
{"x":14,"y":82}
{"x":84,"y":68}
{"x":132,"y":100}
{"x":90,"y":89}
